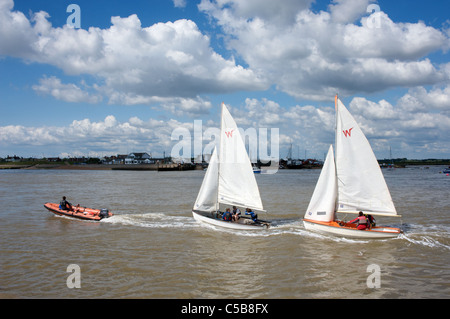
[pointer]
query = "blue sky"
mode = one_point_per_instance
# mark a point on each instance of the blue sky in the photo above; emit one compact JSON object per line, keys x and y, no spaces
{"x":137,"y":70}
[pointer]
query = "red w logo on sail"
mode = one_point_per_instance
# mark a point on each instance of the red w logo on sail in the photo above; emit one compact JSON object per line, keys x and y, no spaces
{"x":348,"y":133}
{"x":229,"y":133}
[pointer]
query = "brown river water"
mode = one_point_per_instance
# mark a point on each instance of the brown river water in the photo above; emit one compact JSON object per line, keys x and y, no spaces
{"x":153,"y":248}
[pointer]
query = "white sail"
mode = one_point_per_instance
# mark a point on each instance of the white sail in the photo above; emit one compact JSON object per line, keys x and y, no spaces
{"x":207,"y":196}
{"x":361,"y":185}
{"x":323,"y":201}
{"x":237,"y":183}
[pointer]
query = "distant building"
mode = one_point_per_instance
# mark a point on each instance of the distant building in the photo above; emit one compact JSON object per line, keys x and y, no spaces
{"x":139,"y":158}
{"x":119,"y":159}
{"x":12,"y":158}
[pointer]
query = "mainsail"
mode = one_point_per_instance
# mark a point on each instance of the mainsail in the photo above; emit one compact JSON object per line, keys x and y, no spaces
{"x":361,"y":185}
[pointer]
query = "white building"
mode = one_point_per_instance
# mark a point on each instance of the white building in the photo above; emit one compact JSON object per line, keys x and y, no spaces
{"x":139,"y":158}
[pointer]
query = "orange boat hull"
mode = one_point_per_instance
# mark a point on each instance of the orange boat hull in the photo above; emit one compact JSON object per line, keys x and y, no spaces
{"x":349,"y":230}
{"x":77,"y":212}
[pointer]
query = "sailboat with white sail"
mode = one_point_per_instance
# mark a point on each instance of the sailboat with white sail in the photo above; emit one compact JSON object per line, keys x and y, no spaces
{"x":229,"y":181}
{"x":351,"y":182}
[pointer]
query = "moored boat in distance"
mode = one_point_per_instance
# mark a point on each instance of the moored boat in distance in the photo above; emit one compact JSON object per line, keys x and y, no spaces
{"x":256,"y":169}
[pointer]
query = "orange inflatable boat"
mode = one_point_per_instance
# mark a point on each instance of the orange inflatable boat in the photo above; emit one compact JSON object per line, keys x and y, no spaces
{"x":79,"y":212}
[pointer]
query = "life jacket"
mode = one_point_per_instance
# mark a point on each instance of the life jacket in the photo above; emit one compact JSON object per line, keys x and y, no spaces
{"x":227,"y":216}
{"x":63,"y":204}
{"x":252,"y":215}
{"x":362,"y":220}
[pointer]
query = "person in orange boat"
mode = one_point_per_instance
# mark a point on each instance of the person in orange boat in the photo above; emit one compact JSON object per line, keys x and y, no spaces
{"x":361,"y":220}
{"x":65,"y":205}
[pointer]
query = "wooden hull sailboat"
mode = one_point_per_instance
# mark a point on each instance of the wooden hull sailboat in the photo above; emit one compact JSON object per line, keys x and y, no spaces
{"x":229,"y":181}
{"x":351,"y":182}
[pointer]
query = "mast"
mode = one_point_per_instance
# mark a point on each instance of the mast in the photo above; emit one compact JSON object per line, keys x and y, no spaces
{"x":335,"y":121}
{"x":335,"y":151}
{"x":218,"y":163}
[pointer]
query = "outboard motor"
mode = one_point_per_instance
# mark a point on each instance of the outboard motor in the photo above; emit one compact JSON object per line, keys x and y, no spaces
{"x":104,"y":213}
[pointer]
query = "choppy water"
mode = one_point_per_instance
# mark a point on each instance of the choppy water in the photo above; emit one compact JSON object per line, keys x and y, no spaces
{"x":153,"y":248}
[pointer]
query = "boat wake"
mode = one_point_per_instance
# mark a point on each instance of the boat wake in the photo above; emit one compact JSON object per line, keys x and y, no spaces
{"x":425,"y":241}
{"x":167,"y":220}
{"x":283,"y":227}
{"x":413,"y":234}
{"x":278,"y":227}
{"x":433,"y":236}
{"x":152,"y":220}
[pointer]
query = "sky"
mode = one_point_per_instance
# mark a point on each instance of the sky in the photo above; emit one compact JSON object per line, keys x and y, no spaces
{"x":115,"y":77}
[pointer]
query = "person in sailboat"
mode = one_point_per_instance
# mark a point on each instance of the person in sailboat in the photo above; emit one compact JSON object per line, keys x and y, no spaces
{"x":361,"y":221}
{"x":236,"y":214}
{"x":227,"y":215}
{"x":254,"y":216}
{"x":371,"y":222}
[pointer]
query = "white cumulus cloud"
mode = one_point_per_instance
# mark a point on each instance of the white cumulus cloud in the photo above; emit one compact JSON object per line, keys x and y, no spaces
{"x":65,"y":92}
{"x":314,"y":55}
{"x":135,"y":64}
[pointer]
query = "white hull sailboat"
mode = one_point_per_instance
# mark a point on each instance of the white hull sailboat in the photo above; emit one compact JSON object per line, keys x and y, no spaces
{"x":244,"y":223}
{"x":229,"y":181}
{"x":350,"y":183}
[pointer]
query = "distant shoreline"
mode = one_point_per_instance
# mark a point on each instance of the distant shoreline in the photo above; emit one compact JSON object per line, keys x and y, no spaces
{"x":86,"y":167}
{"x":58,"y":166}
{"x":148,"y":167}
